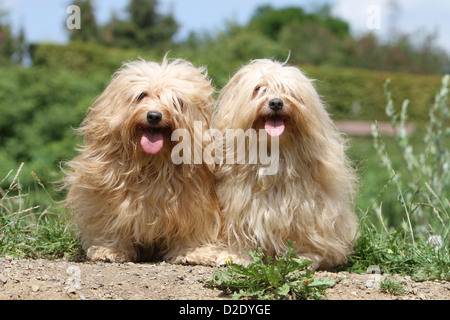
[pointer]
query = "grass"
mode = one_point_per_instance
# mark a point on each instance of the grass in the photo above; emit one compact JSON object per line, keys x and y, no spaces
{"x":28,"y":230}
{"x":420,"y":180}
{"x":394,"y":253}
{"x":393,"y":286}
{"x":404,"y":215}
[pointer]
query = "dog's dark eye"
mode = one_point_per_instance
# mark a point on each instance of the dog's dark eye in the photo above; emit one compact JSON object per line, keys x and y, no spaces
{"x":141,"y":96}
{"x":260,"y":89}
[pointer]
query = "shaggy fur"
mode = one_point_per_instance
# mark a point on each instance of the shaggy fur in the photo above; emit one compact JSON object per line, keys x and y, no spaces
{"x":307,"y":200}
{"x":130,"y":201}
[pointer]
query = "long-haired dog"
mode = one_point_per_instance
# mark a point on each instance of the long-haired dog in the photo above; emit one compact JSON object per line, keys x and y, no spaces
{"x":130,"y":200}
{"x":306,"y":201}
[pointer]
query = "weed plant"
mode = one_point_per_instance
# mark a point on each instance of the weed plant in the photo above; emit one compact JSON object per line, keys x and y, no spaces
{"x":419,"y":246}
{"x":268,"y":278}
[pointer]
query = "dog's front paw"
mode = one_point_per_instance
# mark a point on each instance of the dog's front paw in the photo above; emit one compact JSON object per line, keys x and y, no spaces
{"x":204,"y":255}
{"x":193,"y":260}
{"x":109,"y":254}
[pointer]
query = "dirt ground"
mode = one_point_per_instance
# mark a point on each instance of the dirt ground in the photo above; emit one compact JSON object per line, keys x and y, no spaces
{"x":62,"y":280}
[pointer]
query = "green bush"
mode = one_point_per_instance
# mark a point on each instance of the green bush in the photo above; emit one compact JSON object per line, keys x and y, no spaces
{"x":39,"y":107}
{"x":355,"y":94}
{"x":81,"y":57}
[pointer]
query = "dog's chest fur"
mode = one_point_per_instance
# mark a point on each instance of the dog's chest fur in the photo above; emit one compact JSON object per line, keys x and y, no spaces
{"x":267,"y":209}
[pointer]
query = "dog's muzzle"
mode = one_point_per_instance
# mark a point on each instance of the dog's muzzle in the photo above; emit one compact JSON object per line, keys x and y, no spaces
{"x":152,"y":140}
{"x":274,"y":123}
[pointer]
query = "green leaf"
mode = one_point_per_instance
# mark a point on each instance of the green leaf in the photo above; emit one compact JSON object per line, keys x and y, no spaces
{"x":284,"y":289}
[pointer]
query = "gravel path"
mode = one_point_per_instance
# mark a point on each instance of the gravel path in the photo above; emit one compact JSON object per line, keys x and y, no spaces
{"x":62,"y":280}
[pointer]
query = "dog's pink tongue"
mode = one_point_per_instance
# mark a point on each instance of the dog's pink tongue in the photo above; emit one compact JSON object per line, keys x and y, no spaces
{"x":152,"y":142}
{"x":274,"y":127}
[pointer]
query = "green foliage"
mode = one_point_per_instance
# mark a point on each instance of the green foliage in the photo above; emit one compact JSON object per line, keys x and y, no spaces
{"x":271,"y":22}
{"x":424,"y":185}
{"x":349,"y":93}
{"x":82,"y":58}
{"x":419,"y":245}
{"x":269,"y":278}
{"x":393,"y":286}
{"x":39,"y":108}
{"x":30,"y":230}
{"x":148,"y":27}
{"x":12,"y":47}
{"x":394,"y":253}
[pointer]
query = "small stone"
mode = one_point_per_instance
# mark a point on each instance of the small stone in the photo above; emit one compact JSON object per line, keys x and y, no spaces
{"x":369,"y":284}
{"x":35,"y":288}
{"x":3,"y":279}
{"x":71,"y":290}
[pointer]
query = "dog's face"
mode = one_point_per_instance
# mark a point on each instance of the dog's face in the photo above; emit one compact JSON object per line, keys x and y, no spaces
{"x":146,"y":101}
{"x":268,"y":95}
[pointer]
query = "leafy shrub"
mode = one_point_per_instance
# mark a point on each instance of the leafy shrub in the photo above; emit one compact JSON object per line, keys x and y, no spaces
{"x":272,"y":278}
{"x":39,"y":109}
{"x":352,"y":94}
{"x":81,"y":57}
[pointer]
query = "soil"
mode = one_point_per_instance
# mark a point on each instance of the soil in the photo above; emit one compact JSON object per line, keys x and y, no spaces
{"x":63,"y":280}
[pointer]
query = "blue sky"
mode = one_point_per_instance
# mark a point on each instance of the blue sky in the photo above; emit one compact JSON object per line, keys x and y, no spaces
{"x":44,"y":20}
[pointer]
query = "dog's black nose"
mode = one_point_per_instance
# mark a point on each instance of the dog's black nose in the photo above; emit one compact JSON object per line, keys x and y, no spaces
{"x":276,"y":104}
{"x":154,"y":117}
